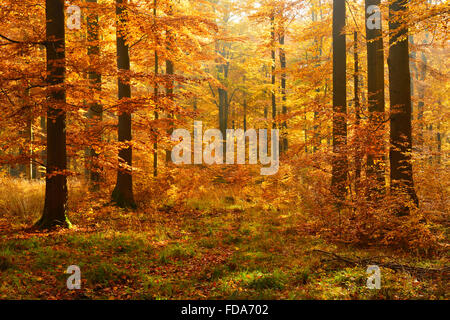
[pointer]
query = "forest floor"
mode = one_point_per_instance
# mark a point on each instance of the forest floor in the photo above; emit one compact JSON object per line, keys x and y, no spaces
{"x":195,"y":252}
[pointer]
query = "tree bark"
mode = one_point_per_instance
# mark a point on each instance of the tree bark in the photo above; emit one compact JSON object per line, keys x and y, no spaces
{"x":284,"y":141}
{"x":421,"y":93}
{"x":358,"y":147}
{"x":95,"y":111}
{"x":155,"y":94}
{"x":400,"y":95}
{"x":169,"y":91}
{"x":274,"y":103}
{"x":123,"y":192}
{"x":376,"y":97}
{"x":340,"y":162}
{"x":55,"y":207}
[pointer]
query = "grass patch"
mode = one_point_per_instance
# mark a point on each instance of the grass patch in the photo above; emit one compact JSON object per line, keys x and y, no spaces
{"x":104,"y":273}
{"x":175,"y":252}
{"x":261,"y":281}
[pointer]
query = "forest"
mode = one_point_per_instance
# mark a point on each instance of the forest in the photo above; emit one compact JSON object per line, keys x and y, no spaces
{"x":224,"y":149}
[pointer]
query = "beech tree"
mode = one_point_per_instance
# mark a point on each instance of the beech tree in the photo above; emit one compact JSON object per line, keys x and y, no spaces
{"x":95,"y":112}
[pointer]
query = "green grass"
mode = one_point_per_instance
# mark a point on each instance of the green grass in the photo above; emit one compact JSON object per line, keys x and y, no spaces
{"x":216,"y":255}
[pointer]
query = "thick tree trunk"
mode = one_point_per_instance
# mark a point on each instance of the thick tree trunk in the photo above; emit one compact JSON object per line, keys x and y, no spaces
{"x":123,"y":192}
{"x":95,"y":112}
{"x":274,"y":103}
{"x":340,"y":162}
{"x":55,"y":207}
{"x":400,"y":95}
{"x":284,"y":141}
{"x":375,"y":76}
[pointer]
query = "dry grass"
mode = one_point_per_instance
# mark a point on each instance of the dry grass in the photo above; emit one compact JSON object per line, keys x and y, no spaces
{"x":22,"y":201}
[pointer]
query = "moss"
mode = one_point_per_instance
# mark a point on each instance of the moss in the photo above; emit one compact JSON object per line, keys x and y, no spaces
{"x":48,"y":223}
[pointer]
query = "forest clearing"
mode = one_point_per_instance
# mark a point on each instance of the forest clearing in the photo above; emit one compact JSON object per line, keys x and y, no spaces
{"x":205,"y":250}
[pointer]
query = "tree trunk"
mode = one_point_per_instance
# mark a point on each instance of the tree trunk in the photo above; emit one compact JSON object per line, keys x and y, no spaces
{"x":358,"y":147}
{"x":274,"y":103}
{"x":43,"y":154}
{"x":245,"y":115}
{"x":375,"y":77}
{"x":284,"y":141}
{"x":223,"y":110}
{"x":169,"y":86}
{"x":156,"y":116}
{"x":169,"y":93}
{"x":123,"y":192}
{"x":30,"y":168}
{"x":155,"y":94}
{"x":421,"y":103}
{"x":318,"y":45}
{"x":340,"y":162}
{"x":400,"y":95}
{"x":95,"y":111}
{"x":55,"y":207}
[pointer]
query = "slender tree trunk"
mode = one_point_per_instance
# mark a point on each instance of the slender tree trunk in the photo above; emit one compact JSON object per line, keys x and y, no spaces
{"x":274,"y":103}
{"x":30,"y":169}
{"x":317,"y":57}
{"x":439,"y":144}
{"x":41,"y":168}
{"x":400,"y":95}
{"x":439,"y":136}
{"x":55,"y":207}
{"x":156,"y":94}
{"x":169,"y":93}
{"x":245,"y":114}
{"x":156,"y":116}
{"x":244,"y":119}
{"x":284,"y":141}
{"x":223,"y":110}
{"x":169,"y":86}
{"x":340,"y":162}
{"x":413,"y":69}
{"x":123,"y":192}
{"x":223,"y":98}
{"x":358,"y":151}
{"x":30,"y":166}
{"x":95,"y":112}
{"x":421,"y":103}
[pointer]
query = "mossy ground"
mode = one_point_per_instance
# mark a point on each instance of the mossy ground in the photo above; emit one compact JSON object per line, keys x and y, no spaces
{"x":194,"y":252}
